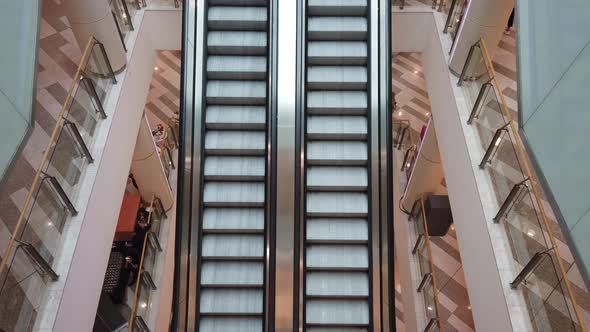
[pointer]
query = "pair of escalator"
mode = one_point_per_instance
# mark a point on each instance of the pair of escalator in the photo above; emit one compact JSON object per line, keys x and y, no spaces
{"x":233,"y":268}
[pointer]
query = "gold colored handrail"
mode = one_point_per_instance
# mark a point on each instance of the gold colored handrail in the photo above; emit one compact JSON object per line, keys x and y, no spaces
{"x":529,"y":173}
{"x":45,"y":157}
{"x":431,"y":264}
{"x":140,"y":268}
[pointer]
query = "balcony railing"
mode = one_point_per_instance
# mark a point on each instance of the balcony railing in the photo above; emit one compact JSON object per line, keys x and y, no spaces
{"x":31,"y":254}
{"x":422,"y":252}
{"x":145,"y":284}
{"x":540,"y":273}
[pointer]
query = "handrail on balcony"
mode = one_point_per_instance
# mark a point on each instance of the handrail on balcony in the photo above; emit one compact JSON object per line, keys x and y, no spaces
{"x":61,"y":119}
{"x":533,"y":185}
{"x":155,"y":204}
{"x":431,"y":264}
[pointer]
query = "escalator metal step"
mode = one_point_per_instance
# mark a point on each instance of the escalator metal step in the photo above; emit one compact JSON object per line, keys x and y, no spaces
{"x":228,"y":142}
{"x":337,"y":102}
{"x":236,"y":43}
{"x":237,"y":18}
{"x":337,"y":77}
{"x":337,"y":128}
{"x":337,"y":7}
{"x":337,"y":53}
{"x":232,"y":67}
{"x":337,"y":28}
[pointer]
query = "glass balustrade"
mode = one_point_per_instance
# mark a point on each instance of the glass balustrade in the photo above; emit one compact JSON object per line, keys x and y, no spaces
{"x":539,"y":272}
{"x":425,"y":267}
{"x":30,"y":257}
{"x":145,"y":285}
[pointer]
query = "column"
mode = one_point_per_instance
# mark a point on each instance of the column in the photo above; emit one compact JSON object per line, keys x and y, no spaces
{"x":94,"y":17}
{"x":483,"y":18}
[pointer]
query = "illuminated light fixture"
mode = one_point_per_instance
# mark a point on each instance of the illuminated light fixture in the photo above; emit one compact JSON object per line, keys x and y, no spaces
{"x":498,"y":141}
{"x":457,"y":20}
{"x":408,"y":165}
{"x":427,"y":113}
{"x":453,"y":227}
{"x":143,"y":304}
{"x":399,"y":113}
{"x":430,"y":308}
{"x":50,"y":224}
{"x":530,"y":233}
{"x":124,"y":16}
{"x":156,"y":68}
{"x":468,"y":307}
{"x":415,"y":72}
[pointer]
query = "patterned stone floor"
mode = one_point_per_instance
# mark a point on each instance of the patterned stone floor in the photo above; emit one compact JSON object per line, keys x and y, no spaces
{"x":413,"y":103}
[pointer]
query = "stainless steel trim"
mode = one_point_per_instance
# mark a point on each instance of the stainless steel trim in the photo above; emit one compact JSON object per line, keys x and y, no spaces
{"x":374,"y":157}
{"x":199,"y":65}
{"x":285,"y":173}
{"x":386,"y":171}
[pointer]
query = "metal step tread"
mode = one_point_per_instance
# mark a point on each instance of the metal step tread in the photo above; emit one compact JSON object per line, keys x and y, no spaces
{"x":337,"y":153}
{"x":337,"y":28}
{"x":233,"y":218}
{"x":233,"y":193}
{"x":235,"y":142}
{"x":337,"y":7}
{"x":337,"y":77}
{"x":237,"y":18}
{"x":337,"y":53}
{"x":338,"y":178}
{"x":337,"y":102}
{"x":226,"y":67}
{"x":236,"y":43}
{"x":337,"y":127}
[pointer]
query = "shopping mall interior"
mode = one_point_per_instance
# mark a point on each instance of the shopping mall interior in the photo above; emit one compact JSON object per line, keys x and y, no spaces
{"x":415,"y":165}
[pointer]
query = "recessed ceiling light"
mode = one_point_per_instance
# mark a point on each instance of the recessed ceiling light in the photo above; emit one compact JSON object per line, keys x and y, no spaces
{"x":143,"y":304}
{"x":468,"y":307}
{"x":430,"y":308}
{"x":399,"y":113}
{"x":530,"y":233}
{"x":427,"y":113}
{"x":50,"y":224}
{"x":415,"y":72}
{"x":156,"y":68}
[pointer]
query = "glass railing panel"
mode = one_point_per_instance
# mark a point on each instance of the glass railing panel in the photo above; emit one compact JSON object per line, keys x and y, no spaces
{"x":67,"y":161}
{"x":430,"y":305}
{"x":99,"y":70}
{"x":120,"y":12}
{"x":545,"y":296}
{"x":45,"y":222}
{"x":523,"y":227}
{"x":144,"y":299}
{"x":149,"y":259}
{"x":166,"y":161}
{"x":21,"y":293}
{"x":474,"y":74}
{"x":85,"y":110}
{"x":455,"y":10}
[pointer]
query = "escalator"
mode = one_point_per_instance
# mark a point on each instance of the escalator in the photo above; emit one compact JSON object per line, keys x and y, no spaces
{"x":231,"y":292}
{"x":284,"y":206}
{"x":337,"y":233}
